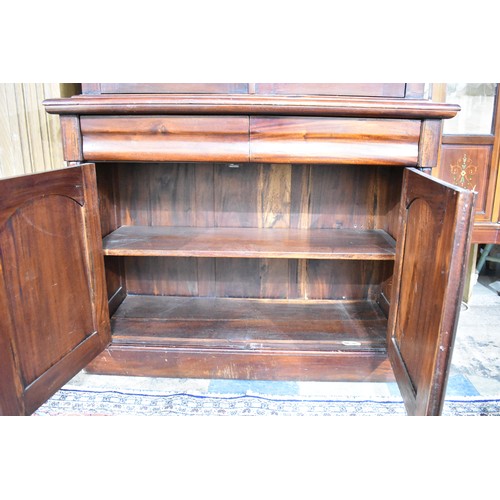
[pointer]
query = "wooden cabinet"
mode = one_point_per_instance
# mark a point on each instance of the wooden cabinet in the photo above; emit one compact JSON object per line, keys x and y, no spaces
{"x":235,"y":236}
{"x":471,"y":151}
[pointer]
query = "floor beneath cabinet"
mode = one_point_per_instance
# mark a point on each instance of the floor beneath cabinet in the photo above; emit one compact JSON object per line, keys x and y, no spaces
{"x":475,"y":377}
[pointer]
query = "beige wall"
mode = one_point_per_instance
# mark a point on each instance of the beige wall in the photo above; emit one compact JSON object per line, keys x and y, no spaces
{"x":30,"y":139}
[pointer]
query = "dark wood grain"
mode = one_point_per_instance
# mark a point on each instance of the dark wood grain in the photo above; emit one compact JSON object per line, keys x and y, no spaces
{"x":251,"y":339}
{"x":252,"y":105}
{"x":430,"y":143}
{"x":258,"y":195}
{"x":23,"y":189}
{"x":430,"y":262}
{"x":236,"y":196}
{"x":250,"y":324}
{"x":52,"y":289}
{"x":257,"y":278}
{"x":167,"y":138}
{"x":470,"y":167}
{"x":110,"y":220}
{"x":194,"y":170}
{"x":255,"y":196}
{"x":486,"y":233}
{"x":335,"y":366}
{"x":471,"y":140}
{"x":334,"y":140}
{"x":71,"y":138}
{"x":93,"y":256}
{"x":164,"y":241}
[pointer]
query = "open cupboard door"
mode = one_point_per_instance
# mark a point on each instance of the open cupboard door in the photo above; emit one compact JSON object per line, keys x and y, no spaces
{"x":430,"y":263}
{"x":54,"y":316}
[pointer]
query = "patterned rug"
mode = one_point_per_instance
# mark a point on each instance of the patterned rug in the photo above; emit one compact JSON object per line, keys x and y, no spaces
{"x":76,"y":402}
{"x":473,"y":386}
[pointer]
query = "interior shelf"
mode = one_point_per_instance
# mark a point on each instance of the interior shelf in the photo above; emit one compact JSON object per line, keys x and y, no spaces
{"x":166,"y":241}
{"x":250,"y":324}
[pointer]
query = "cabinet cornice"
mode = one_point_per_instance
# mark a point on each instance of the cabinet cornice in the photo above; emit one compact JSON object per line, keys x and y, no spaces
{"x":251,"y":104}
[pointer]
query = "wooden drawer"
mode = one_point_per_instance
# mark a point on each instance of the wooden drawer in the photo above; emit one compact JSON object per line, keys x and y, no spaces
{"x":165,"y":138}
{"x":348,"y":141}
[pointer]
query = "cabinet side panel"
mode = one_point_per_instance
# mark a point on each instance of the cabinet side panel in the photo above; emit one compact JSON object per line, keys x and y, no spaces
{"x":110,"y":218}
{"x":387,"y":199}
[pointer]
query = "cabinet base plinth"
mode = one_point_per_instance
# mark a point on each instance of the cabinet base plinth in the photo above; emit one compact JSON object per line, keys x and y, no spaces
{"x":244,"y":365}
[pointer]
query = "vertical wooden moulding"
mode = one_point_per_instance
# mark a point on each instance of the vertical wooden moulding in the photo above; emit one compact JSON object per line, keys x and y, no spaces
{"x":11,"y":385}
{"x":96,"y":262}
{"x":414,"y":90}
{"x":71,"y":138}
{"x":495,"y":180}
{"x":429,"y":147}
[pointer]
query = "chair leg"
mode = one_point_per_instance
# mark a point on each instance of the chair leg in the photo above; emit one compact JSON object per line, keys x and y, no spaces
{"x":484,"y":256}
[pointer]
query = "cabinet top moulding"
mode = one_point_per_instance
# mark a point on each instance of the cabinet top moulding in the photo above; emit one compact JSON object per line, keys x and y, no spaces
{"x":250,"y":105}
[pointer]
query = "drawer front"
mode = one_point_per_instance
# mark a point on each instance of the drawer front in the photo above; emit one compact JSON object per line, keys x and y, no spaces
{"x":165,"y":138}
{"x":348,"y":141}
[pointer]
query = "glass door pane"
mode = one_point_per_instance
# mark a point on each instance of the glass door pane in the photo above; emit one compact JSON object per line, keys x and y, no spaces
{"x":477,"y":101}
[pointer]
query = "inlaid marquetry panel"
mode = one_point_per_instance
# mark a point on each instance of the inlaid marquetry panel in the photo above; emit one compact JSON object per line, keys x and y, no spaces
{"x":468,"y":167}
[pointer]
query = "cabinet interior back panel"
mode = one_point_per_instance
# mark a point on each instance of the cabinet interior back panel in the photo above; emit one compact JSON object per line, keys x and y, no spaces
{"x":258,"y":195}
{"x":253,"y":196}
{"x":257,"y":278}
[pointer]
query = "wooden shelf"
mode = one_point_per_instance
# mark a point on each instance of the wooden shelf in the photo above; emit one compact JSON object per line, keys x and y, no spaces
{"x":255,"y":325}
{"x":162,"y":241}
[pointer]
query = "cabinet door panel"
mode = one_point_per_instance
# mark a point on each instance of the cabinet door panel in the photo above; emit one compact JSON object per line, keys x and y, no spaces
{"x":54,"y":318}
{"x":430,"y":263}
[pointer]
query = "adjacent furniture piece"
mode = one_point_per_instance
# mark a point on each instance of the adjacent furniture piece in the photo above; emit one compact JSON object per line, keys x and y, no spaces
{"x":470,"y":158}
{"x":256,"y":231}
{"x":471,"y":151}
